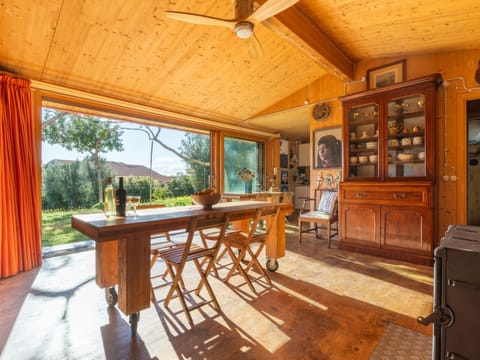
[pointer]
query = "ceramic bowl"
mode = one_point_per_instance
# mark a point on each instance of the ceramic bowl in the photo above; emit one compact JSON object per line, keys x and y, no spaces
{"x":393,"y":142}
{"x":373,"y":159}
{"x":363,"y":159}
{"x":371,"y":145}
{"x":418,"y":140}
{"x":353,"y":159}
{"x":405,"y":157}
{"x":206,"y":201}
{"x":421,"y":155}
{"x":406,"y":141}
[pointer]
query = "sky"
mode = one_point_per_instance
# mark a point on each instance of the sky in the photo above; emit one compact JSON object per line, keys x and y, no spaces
{"x":136,"y":151}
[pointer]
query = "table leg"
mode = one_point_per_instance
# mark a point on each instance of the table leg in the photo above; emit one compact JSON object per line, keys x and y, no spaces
{"x":106,"y":264}
{"x":134,"y":277}
{"x":275,"y":241}
{"x":133,"y":319}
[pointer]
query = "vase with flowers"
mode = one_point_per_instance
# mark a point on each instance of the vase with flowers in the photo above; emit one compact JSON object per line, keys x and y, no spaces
{"x":247,"y":176}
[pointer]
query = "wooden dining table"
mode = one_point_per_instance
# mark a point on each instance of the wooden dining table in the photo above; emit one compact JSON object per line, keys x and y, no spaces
{"x":122,"y":249}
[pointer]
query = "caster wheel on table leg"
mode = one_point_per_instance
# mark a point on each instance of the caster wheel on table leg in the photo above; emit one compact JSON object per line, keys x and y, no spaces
{"x":111,"y":296}
{"x":272,"y":265}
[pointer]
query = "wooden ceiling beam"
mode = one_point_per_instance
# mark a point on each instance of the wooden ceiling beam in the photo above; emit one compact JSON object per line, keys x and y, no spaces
{"x":301,"y":32}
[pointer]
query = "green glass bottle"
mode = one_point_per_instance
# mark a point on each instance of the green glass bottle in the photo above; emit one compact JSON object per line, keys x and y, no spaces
{"x":121,"y":198}
{"x":109,"y":199}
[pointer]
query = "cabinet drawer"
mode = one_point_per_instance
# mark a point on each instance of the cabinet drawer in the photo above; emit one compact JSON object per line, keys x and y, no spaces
{"x":393,"y":196}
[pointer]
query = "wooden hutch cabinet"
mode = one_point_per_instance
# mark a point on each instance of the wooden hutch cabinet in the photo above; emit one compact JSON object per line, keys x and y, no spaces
{"x":386,"y":196}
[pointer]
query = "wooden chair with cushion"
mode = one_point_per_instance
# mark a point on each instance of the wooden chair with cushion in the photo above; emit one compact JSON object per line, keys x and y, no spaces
{"x":242,"y":242}
{"x":324,"y":215}
{"x":179,"y":255}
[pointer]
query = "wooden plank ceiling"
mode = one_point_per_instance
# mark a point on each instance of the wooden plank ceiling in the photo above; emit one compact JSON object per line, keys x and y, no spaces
{"x":130,"y":50}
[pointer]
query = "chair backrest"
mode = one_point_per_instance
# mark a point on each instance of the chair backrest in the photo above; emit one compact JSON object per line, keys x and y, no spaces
{"x":269,"y":214}
{"x":327,"y":201}
{"x":287,"y":197}
{"x":214,"y":220}
{"x":262,"y":196}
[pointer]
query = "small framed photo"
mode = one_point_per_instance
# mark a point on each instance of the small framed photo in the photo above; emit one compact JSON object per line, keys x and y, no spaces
{"x":284,"y":177}
{"x":327,"y":148}
{"x":386,"y":75}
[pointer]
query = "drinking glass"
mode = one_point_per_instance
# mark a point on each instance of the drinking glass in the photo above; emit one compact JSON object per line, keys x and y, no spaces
{"x":132,"y":202}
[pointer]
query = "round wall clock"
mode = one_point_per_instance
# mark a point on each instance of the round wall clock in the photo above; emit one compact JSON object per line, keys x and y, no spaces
{"x":320,"y":111}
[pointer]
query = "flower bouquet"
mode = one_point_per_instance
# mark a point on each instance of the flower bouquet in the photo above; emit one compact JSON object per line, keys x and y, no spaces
{"x":247,"y":176}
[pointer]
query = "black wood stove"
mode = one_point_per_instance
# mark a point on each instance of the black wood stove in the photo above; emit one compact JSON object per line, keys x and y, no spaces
{"x":456,"y":303}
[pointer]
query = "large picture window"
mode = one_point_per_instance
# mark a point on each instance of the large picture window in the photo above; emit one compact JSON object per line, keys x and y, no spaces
{"x":82,"y":149}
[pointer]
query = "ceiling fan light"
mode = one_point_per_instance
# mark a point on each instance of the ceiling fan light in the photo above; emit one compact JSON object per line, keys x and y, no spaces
{"x":244,"y":29}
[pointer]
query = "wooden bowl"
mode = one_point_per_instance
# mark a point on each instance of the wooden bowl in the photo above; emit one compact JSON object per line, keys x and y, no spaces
{"x":206,"y":201}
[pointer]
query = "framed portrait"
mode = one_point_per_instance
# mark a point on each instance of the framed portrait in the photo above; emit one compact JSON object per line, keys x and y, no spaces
{"x":386,"y":75}
{"x":284,"y":177}
{"x":327,"y":148}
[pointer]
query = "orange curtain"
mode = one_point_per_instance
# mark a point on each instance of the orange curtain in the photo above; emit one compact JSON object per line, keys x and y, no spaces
{"x":20,"y":204}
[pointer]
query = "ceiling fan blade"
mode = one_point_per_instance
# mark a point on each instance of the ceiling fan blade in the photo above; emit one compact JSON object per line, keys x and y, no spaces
{"x":200,"y":19}
{"x":254,"y":47}
{"x":270,"y":8}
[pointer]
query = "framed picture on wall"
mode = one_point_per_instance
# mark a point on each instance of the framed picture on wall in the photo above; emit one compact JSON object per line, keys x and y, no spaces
{"x":327,"y":148}
{"x":386,"y":75}
{"x":283,"y":177}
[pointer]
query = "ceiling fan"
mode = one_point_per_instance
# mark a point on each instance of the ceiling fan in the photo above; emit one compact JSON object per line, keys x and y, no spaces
{"x":245,"y":18}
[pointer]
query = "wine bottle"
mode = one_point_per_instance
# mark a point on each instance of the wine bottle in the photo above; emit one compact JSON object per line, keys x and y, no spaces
{"x":121,"y":198}
{"x":109,"y":199}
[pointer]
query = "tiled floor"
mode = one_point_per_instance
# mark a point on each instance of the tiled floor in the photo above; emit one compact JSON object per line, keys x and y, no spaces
{"x":324,"y":304}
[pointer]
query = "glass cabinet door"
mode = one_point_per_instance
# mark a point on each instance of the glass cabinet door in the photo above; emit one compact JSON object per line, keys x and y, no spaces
{"x":363,"y":156}
{"x":406,"y":134}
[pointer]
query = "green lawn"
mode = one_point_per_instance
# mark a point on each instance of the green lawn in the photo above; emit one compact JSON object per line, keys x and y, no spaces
{"x":57,"y":229}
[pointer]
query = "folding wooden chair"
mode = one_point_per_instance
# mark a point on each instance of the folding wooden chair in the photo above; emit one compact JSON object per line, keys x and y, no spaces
{"x":177,"y":256}
{"x":159,"y":242}
{"x":243,"y":241}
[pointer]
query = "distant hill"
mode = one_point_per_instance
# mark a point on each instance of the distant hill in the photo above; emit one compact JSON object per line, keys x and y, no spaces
{"x":125,"y":170}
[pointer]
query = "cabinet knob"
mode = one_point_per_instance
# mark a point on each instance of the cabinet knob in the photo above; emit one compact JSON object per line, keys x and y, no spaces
{"x":399,"y":196}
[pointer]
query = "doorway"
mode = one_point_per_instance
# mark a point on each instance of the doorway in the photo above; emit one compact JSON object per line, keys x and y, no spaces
{"x":473,"y":162}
